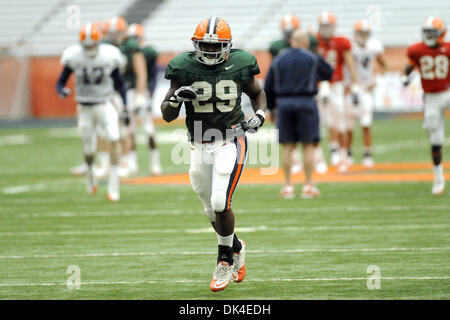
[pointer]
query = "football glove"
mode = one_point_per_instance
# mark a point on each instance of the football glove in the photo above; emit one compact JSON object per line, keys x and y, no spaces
{"x":125,"y":117}
{"x":355,"y":94}
{"x":254,"y":122}
{"x":406,"y":80}
{"x":64,"y":92}
{"x":324,"y":92}
{"x":185,"y":93}
{"x":139,"y":101}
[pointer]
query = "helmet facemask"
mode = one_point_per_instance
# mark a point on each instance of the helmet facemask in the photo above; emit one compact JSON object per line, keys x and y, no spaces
{"x":430,"y":36}
{"x":326,"y":30}
{"x":212,"y":52}
{"x":361,"y":37}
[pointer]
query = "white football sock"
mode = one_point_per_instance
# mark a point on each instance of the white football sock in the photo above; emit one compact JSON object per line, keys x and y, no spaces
{"x":225,"y":241}
{"x":438,"y":172}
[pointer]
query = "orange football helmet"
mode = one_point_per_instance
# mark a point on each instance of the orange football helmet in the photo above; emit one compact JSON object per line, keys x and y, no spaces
{"x":288,"y":24}
{"x":89,"y":37}
{"x":327,"y":24}
{"x":136,"y":30}
{"x":212,"y":41}
{"x":362,"y":30}
{"x":116,"y":30}
{"x":433,"y":31}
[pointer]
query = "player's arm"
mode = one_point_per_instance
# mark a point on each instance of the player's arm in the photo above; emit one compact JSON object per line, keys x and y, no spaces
{"x":412,"y":58}
{"x":170,"y":107}
{"x":380,"y":59}
{"x":350,"y":63}
{"x":120,"y":87}
{"x":61,"y":88}
{"x":259,"y":104}
{"x":140,"y":70}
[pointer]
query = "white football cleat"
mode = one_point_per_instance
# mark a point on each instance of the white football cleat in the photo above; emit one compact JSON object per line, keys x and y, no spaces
{"x":221,"y":276}
{"x":438,"y":187}
{"x":287,"y":192}
{"x":101,"y":172}
{"x":91,"y":182}
{"x":156,"y":170}
{"x":296,"y":168}
{"x":239,"y":267}
{"x":79,"y":170}
{"x":310,"y":191}
{"x":343,"y":166}
{"x":123,"y":171}
{"x":321,"y":167}
{"x":368,"y":162}
{"x":113,"y":187}
{"x":335,"y":158}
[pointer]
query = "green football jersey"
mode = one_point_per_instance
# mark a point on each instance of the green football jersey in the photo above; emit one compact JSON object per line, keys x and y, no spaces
{"x":129,"y":47}
{"x":280,"y":45}
{"x":218,"y":89}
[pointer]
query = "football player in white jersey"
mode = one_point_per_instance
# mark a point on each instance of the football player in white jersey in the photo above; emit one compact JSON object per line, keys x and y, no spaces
{"x":96,"y":67}
{"x":366,"y":50}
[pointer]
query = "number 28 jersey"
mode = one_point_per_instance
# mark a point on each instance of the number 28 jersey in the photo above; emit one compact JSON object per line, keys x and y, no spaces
{"x":433,"y":64}
{"x":218,"y":88}
{"x":93,"y":82}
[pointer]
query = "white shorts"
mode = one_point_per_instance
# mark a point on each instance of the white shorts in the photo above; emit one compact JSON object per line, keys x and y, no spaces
{"x":215,"y":171}
{"x":332,"y":114}
{"x":434,"y":115}
{"x":362,"y":111}
{"x":102,"y":117}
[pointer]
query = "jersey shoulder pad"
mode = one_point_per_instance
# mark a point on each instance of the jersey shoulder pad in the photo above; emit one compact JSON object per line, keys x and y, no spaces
{"x":343,"y":43}
{"x":71,"y":56}
{"x":414,"y":51}
{"x":112,"y":54}
{"x":150,"y":52}
{"x":375,"y":46}
{"x":177,"y":65}
{"x":244,"y":61}
{"x":131,"y":45}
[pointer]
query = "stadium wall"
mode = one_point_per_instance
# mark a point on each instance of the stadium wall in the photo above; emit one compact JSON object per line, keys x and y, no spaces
{"x":44,"y":72}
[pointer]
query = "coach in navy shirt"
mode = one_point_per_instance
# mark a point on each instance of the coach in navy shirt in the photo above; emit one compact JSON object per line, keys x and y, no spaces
{"x":291,"y":87}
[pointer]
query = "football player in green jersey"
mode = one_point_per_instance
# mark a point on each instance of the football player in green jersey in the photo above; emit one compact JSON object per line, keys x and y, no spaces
{"x":135,"y":75}
{"x":210,"y":82}
{"x":136,"y":31}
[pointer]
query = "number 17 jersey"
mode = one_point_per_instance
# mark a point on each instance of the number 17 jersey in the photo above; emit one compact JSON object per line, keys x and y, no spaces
{"x":433,"y":64}
{"x":218,"y":88}
{"x":93,"y":82}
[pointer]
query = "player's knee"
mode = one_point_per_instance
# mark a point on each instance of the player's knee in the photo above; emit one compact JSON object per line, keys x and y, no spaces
{"x":89,"y":145}
{"x":210,"y":214}
{"x":218,"y":202}
{"x":195,"y":176}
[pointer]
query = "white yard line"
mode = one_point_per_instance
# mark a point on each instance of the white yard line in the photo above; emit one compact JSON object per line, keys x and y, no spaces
{"x":210,"y":230}
{"x":162,"y":281}
{"x":301,"y":210}
{"x":191,"y":253}
{"x":12,"y":140}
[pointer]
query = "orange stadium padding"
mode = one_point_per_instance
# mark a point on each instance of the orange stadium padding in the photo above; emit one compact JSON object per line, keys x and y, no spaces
{"x":44,"y":72}
{"x":45,"y":103}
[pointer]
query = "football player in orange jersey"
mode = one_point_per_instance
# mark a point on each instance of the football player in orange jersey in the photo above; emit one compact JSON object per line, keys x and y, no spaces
{"x":431,"y":57}
{"x":337,"y":51}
